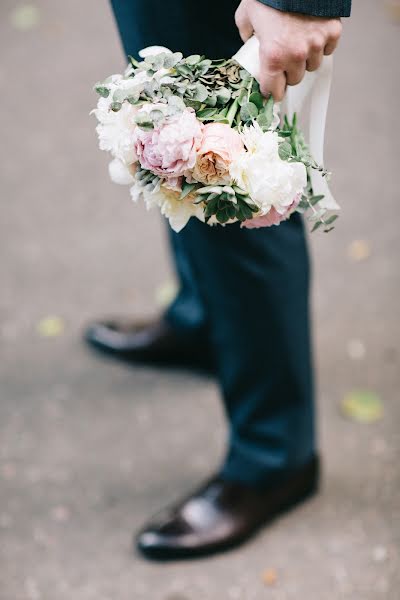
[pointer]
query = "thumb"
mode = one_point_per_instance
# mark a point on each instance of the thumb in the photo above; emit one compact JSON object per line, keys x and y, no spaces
{"x":243,"y":23}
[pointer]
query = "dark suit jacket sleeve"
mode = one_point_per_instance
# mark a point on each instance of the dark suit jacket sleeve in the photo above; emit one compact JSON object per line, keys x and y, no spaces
{"x":317,"y":8}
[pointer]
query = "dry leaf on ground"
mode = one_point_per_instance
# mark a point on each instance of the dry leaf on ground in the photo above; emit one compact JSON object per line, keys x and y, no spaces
{"x":362,"y":406}
{"x":51,"y":326}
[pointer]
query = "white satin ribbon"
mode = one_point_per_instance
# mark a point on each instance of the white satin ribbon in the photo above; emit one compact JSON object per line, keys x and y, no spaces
{"x":318,"y":85}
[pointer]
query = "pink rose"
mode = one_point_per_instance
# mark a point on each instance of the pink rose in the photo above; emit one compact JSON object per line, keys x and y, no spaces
{"x":219,"y":146}
{"x":272,"y":217}
{"x":170,"y":149}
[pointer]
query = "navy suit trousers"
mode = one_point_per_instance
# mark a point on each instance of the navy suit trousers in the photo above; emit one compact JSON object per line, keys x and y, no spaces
{"x":246,"y":290}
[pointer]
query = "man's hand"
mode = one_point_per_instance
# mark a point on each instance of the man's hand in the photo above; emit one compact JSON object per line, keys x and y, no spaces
{"x":290,"y":43}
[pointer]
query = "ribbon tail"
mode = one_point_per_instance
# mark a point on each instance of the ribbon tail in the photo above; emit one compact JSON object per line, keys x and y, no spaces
{"x":318,"y":114}
{"x":318,"y":84}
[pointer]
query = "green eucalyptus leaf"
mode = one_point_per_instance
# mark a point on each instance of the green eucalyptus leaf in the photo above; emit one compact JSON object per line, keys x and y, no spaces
{"x":242,"y":97}
{"x":186,"y":189}
{"x":223,"y":95}
{"x":245,"y":76}
{"x":177,"y":56}
{"x":115,"y":106}
{"x":193,"y":104}
{"x":156,"y":114}
{"x":248,"y":112}
{"x":202,"y":67}
{"x":120,"y":95}
{"x":315,"y":199}
{"x":184,"y":70}
{"x":269,"y":109}
{"x":303,"y":204}
{"x":285,"y":150}
{"x":193,"y":59}
{"x":316,"y":226}
{"x":103,"y":91}
{"x":257,"y":99}
{"x":263,"y":121}
{"x":211,"y":100}
{"x":146,"y":126}
{"x":200,"y":92}
{"x":220,"y":119}
{"x":206,"y":62}
{"x":331,"y":219}
{"x":169,"y":61}
{"x":177,"y":102}
{"x":206,"y":113}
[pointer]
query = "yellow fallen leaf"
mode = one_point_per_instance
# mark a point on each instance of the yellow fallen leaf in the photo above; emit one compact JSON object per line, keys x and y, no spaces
{"x":166,"y":293}
{"x":25,"y":17}
{"x":362,"y":406}
{"x":359,"y":250}
{"x":50,"y":326}
{"x":270,"y":577}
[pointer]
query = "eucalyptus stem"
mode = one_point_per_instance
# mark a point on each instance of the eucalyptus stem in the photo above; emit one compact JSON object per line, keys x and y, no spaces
{"x":250,"y":88}
{"x":232,"y":112}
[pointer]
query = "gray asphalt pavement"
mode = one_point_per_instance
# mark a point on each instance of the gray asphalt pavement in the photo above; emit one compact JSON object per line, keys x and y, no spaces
{"x":89,"y":448}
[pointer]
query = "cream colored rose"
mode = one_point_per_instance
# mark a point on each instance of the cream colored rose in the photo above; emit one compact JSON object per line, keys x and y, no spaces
{"x":220,"y":144}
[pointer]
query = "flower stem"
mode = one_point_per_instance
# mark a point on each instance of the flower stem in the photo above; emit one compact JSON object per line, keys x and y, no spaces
{"x":232,"y":112}
{"x":250,"y":88}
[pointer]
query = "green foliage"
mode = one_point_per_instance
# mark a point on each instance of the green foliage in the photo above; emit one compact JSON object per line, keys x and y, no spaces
{"x":257,"y":99}
{"x":102,"y":90}
{"x":226,"y":203}
{"x":115,"y":106}
{"x":285,"y":150}
{"x":248,"y":112}
{"x":187,"y":188}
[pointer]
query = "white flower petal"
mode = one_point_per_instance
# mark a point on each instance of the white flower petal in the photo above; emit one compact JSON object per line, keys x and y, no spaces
{"x":136,"y":192}
{"x":120,"y":173}
{"x":153,"y":50}
{"x":269,"y":180}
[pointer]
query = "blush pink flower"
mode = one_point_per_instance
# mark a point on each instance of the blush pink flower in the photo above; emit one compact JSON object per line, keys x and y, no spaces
{"x":272,"y":217}
{"x":170,"y":149}
{"x":220,"y":144}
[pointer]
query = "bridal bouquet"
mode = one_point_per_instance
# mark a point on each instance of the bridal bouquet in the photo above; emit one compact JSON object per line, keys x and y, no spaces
{"x":195,"y":138}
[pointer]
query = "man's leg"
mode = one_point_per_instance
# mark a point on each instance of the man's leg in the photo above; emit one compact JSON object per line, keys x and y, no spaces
{"x":255,"y":286}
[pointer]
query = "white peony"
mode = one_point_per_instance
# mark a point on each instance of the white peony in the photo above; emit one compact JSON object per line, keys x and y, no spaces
{"x":269,"y":180}
{"x":178,"y":212}
{"x":115,"y":129}
{"x":120,"y":173}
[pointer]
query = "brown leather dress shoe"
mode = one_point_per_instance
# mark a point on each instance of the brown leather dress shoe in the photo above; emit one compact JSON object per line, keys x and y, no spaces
{"x":154,"y":342}
{"x":222,"y":514}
